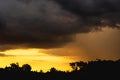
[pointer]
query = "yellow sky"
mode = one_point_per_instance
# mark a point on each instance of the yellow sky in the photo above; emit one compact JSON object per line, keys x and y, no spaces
{"x":37,"y":58}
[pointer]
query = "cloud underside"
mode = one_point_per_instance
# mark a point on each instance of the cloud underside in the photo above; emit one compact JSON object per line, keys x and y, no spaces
{"x":4,"y":55}
{"x":53,"y":23}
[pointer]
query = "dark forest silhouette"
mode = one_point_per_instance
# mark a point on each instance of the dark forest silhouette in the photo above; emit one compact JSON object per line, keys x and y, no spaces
{"x":91,"y":70}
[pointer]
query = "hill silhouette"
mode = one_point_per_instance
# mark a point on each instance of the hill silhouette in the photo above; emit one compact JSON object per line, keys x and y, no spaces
{"x":91,"y":70}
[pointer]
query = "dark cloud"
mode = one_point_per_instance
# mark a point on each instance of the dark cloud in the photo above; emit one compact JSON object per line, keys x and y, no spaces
{"x":94,"y":12}
{"x":90,"y":7}
{"x":52,"y":23}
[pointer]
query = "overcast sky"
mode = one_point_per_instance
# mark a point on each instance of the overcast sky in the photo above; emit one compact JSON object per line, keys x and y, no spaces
{"x":87,"y":29}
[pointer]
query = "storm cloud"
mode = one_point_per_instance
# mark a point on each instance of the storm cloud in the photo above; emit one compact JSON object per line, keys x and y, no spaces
{"x":52,"y":23}
{"x":94,"y":12}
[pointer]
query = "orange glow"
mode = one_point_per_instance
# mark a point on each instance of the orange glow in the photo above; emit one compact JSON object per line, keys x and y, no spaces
{"x":38,"y":59}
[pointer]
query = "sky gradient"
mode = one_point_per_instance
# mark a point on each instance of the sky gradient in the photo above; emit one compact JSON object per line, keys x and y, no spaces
{"x":53,"y":33}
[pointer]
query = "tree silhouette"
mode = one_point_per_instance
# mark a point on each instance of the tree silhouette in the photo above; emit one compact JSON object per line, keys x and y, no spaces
{"x":91,"y":70}
{"x":81,"y":64}
{"x":14,"y":67}
{"x":74,"y":66}
{"x":26,"y":67}
{"x":77,"y":65}
{"x":53,"y":69}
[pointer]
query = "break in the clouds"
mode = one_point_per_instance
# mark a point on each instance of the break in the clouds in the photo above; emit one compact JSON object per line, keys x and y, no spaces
{"x":52,"y":23}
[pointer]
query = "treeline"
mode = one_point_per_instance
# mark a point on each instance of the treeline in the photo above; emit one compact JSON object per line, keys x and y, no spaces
{"x":91,"y":70}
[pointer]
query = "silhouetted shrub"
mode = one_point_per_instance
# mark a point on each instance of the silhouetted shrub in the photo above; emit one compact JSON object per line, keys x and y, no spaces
{"x":91,"y":70}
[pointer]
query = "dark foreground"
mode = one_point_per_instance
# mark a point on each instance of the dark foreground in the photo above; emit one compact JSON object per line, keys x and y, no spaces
{"x":92,"y":70}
